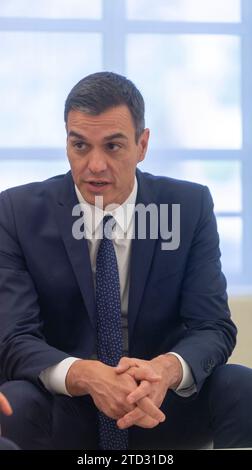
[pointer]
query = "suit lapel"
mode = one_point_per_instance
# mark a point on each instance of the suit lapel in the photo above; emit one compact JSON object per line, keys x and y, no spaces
{"x":142,"y":252}
{"x":77,"y":250}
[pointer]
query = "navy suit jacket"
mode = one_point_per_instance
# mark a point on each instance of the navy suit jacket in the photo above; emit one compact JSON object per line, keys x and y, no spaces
{"x":177,"y":299}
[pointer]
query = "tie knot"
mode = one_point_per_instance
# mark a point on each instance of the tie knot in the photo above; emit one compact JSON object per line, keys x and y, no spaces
{"x":108,"y":226}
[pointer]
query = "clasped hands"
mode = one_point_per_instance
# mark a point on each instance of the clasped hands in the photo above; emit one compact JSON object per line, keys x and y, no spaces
{"x":130,"y":393}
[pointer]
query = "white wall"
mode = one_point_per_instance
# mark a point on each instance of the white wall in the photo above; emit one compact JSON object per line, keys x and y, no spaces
{"x":241,"y":309}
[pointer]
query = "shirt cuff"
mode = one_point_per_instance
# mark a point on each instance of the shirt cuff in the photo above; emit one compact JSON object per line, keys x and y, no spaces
{"x":54,"y":377}
{"x":187,"y":386}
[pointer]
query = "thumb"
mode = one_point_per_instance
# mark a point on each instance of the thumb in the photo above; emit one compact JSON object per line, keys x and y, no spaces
{"x":146,"y":374}
{"x":5,"y":406}
{"x":124,"y":364}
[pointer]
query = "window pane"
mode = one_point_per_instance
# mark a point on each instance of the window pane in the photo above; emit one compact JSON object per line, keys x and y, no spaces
{"x":222,"y":178}
{"x":51,"y":8}
{"x":185,"y":10}
{"x":230,"y":231}
{"x":37,"y":72}
{"x":16,"y":172}
{"x":192,"y":88}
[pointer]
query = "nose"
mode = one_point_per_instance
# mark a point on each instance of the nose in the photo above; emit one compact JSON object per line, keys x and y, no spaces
{"x":97,"y":162}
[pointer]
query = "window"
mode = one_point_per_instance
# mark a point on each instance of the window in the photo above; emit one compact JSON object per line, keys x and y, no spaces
{"x":190,"y":58}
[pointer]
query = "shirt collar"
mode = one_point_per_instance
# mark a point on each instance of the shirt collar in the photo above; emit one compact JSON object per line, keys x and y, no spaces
{"x":123,"y":214}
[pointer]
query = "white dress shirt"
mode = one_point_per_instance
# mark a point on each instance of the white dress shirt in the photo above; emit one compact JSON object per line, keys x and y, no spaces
{"x":54,"y":377}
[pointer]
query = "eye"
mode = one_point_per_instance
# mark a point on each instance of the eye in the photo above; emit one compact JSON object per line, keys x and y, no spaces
{"x":113,"y":146}
{"x":79,"y":145}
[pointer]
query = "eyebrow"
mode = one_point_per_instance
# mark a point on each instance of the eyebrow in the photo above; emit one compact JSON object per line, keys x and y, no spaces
{"x":75,"y":134}
{"x":118,"y":135}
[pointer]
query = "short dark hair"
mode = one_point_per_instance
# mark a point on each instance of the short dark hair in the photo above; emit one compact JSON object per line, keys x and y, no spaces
{"x":100,"y":91}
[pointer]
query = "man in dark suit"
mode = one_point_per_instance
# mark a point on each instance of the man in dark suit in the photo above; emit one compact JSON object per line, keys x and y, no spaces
{"x":104,"y":332}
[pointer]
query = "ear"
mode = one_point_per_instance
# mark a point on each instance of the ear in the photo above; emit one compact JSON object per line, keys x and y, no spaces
{"x":143,"y":144}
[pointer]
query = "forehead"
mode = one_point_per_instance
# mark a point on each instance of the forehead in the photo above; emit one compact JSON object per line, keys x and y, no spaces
{"x":113,"y":120}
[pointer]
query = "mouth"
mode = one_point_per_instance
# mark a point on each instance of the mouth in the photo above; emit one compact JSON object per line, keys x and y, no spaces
{"x":98,"y":183}
{"x":95,"y":186}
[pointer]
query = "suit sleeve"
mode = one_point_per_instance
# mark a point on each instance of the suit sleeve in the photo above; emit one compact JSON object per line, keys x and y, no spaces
{"x":24,"y":352}
{"x":210,"y":335}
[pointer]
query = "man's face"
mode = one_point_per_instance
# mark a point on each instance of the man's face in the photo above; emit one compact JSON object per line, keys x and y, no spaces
{"x":103,"y":153}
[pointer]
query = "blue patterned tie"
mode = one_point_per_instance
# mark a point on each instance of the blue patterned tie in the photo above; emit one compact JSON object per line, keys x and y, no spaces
{"x":109,"y":328}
